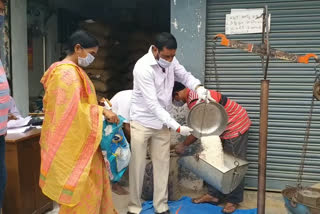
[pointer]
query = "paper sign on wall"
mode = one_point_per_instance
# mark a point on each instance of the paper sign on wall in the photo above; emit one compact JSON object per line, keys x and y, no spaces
{"x":244,"y":21}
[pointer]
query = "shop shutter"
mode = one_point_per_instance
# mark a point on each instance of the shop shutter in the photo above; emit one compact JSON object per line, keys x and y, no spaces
{"x":295,"y":28}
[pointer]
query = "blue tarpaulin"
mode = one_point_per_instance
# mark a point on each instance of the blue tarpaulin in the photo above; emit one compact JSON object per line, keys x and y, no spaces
{"x":185,"y":206}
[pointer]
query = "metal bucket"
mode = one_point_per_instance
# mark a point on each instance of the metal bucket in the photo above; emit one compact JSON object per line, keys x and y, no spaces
{"x":299,"y":200}
{"x":223,"y":180}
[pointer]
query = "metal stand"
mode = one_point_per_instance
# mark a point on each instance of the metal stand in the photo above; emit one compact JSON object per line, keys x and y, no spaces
{"x":264,"y":104}
{"x":264,"y":51}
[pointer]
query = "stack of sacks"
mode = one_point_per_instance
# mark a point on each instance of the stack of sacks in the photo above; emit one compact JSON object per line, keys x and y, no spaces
{"x":100,"y":71}
{"x":138,"y":45}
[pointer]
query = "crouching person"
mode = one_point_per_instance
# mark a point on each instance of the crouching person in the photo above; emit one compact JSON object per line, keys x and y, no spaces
{"x":234,"y":139}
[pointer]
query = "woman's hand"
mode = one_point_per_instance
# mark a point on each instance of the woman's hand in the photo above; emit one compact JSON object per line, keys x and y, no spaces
{"x":101,"y":101}
{"x":110,"y":116}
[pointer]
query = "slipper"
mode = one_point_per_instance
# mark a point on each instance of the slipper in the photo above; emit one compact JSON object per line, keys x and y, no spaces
{"x":230,"y":207}
{"x":206,"y":199}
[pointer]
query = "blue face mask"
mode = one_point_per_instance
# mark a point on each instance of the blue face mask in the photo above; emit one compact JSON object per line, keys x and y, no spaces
{"x":1,"y":20}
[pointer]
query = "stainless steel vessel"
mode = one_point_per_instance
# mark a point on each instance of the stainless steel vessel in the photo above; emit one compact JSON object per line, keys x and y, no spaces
{"x":207,"y":119}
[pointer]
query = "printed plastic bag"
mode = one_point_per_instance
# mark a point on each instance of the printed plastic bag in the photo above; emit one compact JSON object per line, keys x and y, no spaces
{"x":115,"y":149}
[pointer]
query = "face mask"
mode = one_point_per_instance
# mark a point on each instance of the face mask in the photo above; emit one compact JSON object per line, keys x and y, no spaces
{"x":163,"y":63}
{"x":1,"y":21}
{"x":85,"y":62}
{"x":178,"y":103}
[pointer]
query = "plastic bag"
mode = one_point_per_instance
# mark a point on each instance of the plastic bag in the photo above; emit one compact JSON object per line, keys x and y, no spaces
{"x":115,"y":149}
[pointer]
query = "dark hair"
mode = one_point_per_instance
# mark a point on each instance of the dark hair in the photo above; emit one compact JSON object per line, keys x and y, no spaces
{"x":165,"y":39}
{"x":177,"y":87}
{"x":81,"y":37}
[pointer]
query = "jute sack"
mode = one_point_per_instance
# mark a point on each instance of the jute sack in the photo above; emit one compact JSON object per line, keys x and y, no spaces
{"x":135,"y":56}
{"x":139,"y":36}
{"x":102,"y":63}
{"x":104,"y":52}
{"x":96,"y":74}
{"x":103,"y":42}
{"x":100,"y":86}
{"x":97,"y":28}
{"x":134,"y":46}
{"x":173,"y":183}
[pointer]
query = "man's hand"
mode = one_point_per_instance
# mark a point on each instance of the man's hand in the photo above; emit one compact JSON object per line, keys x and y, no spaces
{"x":11,"y":117}
{"x":185,"y":130}
{"x":110,"y":116}
{"x":180,"y":148}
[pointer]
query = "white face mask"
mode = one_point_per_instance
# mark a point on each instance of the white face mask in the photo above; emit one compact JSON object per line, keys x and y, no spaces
{"x":163,"y":63}
{"x":85,"y":62}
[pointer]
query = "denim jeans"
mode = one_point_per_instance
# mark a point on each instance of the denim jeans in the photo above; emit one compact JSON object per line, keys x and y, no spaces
{"x":3,"y":172}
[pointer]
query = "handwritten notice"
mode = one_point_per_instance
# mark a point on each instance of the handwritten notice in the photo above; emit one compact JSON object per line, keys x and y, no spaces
{"x":245,"y":21}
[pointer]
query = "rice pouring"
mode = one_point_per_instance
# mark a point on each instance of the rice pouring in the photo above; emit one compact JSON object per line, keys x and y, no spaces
{"x":213,"y":152}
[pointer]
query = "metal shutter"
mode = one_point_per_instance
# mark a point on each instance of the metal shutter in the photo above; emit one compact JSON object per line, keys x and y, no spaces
{"x":295,"y":27}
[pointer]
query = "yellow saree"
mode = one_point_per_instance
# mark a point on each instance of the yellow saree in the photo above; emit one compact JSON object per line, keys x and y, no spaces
{"x":72,"y":170}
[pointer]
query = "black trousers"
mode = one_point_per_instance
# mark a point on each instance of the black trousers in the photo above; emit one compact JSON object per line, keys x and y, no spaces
{"x":236,"y":146}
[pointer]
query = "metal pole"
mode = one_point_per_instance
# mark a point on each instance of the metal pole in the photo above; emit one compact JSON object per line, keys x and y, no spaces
{"x":264,"y":97}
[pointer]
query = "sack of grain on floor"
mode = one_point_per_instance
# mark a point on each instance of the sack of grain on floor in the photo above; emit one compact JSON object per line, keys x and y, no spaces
{"x":173,"y":183}
{"x":96,"y":28}
{"x":140,"y":36}
{"x":99,"y":74}
{"x":134,"y":46}
{"x":100,"y":86}
{"x":101,"y":63}
{"x":135,"y":56}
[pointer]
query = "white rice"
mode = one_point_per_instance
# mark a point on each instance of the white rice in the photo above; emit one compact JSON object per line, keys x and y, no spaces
{"x":213,"y":152}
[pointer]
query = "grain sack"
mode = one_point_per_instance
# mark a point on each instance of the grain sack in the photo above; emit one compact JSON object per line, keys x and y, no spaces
{"x":134,"y":46}
{"x":139,"y":36}
{"x":100,"y":86}
{"x":104,"y":52}
{"x":102,"y":75}
{"x":103,"y":42}
{"x":102,"y":63}
{"x":97,"y":28}
{"x":173,"y":183}
{"x":135,"y":56}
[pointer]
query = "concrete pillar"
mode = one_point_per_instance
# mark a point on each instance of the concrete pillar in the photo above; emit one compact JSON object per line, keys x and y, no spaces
{"x":188,"y":25}
{"x":19,"y":53}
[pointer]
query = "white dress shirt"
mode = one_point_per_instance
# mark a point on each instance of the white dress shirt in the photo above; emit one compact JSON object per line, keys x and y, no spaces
{"x":121,"y":103}
{"x":152,"y":91}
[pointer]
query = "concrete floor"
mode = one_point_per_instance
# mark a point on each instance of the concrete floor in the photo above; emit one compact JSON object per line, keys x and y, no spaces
{"x":274,"y":202}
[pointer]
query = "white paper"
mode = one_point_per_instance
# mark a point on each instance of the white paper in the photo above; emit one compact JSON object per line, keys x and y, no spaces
{"x":244,"y":21}
{"x":18,"y":130}
{"x":18,"y":123}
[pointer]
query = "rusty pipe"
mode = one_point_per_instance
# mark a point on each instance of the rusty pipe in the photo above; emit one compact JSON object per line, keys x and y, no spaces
{"x":263,"y":138}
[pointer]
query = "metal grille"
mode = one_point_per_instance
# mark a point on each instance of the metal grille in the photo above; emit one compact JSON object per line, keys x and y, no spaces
{"x":295,"y":28}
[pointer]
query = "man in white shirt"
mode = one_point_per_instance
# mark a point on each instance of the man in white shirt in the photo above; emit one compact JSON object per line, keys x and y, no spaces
{"x":154,"y":76}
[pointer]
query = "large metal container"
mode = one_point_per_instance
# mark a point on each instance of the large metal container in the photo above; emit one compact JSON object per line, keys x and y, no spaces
{"x":225,"y":180}
{"x":207,"y":119}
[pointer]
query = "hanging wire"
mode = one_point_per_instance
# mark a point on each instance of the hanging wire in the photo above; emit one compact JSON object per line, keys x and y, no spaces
{"x":307,"y":133}
{"x":214,"y":60}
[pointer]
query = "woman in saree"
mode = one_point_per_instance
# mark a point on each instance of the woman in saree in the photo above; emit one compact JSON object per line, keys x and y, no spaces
{"x":73,"y":171}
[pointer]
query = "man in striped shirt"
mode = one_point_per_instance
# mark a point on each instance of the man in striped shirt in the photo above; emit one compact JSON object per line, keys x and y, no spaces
{"x":4,"y":108}
{"x":234,"y":139}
